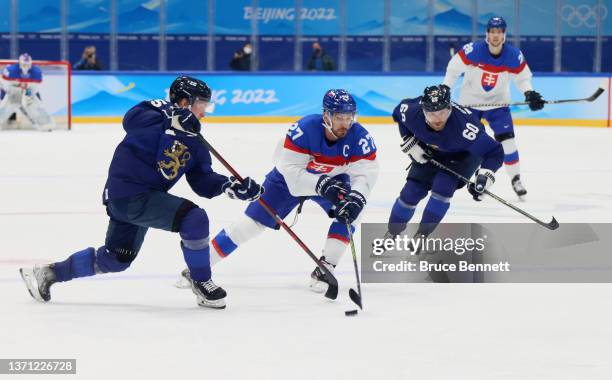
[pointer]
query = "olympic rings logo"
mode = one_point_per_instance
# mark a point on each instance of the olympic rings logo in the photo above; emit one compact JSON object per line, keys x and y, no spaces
{"x":583,"y":15}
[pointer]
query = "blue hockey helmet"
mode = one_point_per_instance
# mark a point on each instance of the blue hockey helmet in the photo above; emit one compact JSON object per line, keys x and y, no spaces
{"x":190,"y":88}
{"x":496,"y":22}
{"x":436,"y":98}
{"x":339,"y":101}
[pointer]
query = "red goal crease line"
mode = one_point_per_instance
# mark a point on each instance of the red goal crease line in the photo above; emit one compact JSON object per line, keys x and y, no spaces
{"x":600,"y":123}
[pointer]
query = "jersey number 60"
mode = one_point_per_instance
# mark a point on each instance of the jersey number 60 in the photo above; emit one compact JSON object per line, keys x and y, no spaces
{"x":470,"y":131}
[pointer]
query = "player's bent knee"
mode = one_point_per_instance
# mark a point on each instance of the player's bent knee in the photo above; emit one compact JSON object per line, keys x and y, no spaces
{"x":181,"y":213}
{"x":114,"y":259}
{"x":194,"y":225}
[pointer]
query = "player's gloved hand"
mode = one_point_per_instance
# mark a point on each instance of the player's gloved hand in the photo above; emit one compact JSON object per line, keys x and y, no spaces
{"x":350,"y":207}
{"x":331,"y":188}
{"x":28,"y":92}
{"x":535,"y":100}
{"x":485,"y":178}
{"x":247,"y":190}
{"x":185,"y":121}
{"x":411,"y":147}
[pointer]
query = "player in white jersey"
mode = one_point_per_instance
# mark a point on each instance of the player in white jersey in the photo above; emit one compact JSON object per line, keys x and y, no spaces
{"x":19,"y":93}
{"x":326,"y":158}
{"x":488,"y":66}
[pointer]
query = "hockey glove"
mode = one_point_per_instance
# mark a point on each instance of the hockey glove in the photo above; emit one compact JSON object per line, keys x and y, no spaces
{"x":411,"y":147}
{"x":349,"y":208}
{"x":247,"y":190}
{"x":485,"y":178}
{"x":331,"y":189}
{"x":535,"y":100}
{"x":185,"y":121}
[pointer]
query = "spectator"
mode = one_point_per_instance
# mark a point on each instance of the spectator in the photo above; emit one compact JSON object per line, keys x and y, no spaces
{"x":242,"y":58}
{"x":320,"y":60}
{"x":88,"y":61}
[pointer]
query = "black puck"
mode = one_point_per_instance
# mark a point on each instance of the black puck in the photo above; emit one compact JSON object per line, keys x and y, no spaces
{"x":350,"y":313}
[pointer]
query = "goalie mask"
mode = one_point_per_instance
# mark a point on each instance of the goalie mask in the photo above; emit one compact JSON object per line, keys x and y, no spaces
{"x":25,"y":63}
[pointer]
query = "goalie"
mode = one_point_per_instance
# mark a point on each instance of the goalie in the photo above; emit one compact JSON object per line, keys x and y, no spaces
{"x":19,"y":85}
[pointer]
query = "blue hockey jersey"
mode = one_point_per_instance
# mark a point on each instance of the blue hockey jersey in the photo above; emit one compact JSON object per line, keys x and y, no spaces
{"x":154,"y":156}
{"x":14,"y":73}
{"x":462,"y":133}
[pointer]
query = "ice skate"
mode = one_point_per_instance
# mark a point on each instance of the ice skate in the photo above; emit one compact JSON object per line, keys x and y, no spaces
{"x":318,"y":279}
{"x":517,"y":186}
{"x":184,"y":281}
{"x":38,"y":280}
{"x":208,"y":294}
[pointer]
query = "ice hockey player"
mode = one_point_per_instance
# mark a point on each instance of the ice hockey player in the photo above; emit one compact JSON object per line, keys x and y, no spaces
{"x":163,"y":142}
{"x":431,"y":126}
{"x":328,"y":158}
{"x":20,"y":93}
{"x":488,"y":67}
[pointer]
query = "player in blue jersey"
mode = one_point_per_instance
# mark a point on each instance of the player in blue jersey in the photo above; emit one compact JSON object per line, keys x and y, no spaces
{"x":327,"y":158}
{"x":432,"y":126}
{"x":488,"y":66}
{"x":19,"y":92}
{"x":162,"y":144}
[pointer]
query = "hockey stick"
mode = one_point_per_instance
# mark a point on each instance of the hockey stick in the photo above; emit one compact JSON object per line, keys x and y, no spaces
{"x":332,"y":290}
{"x":552,"y":225}
{"x":591,"y":98}
{"x":355,"y":296}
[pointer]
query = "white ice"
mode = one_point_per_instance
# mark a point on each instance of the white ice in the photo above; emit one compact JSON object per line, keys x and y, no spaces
{"x":136,"y":325}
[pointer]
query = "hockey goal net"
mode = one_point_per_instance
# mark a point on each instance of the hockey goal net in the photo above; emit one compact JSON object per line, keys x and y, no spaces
{"x":54,"y":92}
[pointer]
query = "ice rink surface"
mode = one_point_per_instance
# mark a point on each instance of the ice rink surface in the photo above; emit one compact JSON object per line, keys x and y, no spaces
{"x":135,"y":324}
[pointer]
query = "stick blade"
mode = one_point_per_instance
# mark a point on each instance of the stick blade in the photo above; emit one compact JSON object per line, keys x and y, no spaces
{"x":595,"y":95}
{"x":332,"y":289}
{"x":553,"y":224}
{"x":356,"y":298}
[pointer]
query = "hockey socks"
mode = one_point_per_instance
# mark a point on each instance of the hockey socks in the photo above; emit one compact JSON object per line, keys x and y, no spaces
{"x":401,"y":213}
{"x":226,"y":241}
{"x":436,"y":208}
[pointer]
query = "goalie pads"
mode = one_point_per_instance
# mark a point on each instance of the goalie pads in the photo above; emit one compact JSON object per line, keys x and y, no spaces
{"x":32,"y":108}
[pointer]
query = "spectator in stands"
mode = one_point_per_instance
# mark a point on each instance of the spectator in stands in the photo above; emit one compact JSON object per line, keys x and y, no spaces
{"x":320,"y":60}
{"x":88,"y":61}
{"x":242,"y":58}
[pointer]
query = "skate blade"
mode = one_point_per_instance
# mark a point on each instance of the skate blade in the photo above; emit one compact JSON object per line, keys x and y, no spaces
{"x":318,"y":286}
{"x":216,"y":304}
{"x":27,"y":274}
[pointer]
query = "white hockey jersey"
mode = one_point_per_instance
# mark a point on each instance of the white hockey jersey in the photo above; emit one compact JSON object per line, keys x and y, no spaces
{"x":304,"y":155}
{"x":487,"y":78}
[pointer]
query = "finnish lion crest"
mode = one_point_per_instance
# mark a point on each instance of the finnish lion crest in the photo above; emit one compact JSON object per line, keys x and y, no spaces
{"x":177,"y":158}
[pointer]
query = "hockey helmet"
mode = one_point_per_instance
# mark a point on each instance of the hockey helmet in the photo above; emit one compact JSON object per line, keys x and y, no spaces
{"x":339,"y":101}
{"x":436,"y":98}
{"x":190,"y":88}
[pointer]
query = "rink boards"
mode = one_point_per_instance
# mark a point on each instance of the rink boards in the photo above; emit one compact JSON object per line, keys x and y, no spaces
{"x":272,"y":97}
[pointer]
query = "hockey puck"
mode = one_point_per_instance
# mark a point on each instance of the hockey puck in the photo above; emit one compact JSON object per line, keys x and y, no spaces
{"x":350,"y":313}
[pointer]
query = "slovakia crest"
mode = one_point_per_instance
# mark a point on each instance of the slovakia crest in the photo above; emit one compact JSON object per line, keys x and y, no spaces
{"x":317,"y":168}
{"x":488,"y":81}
